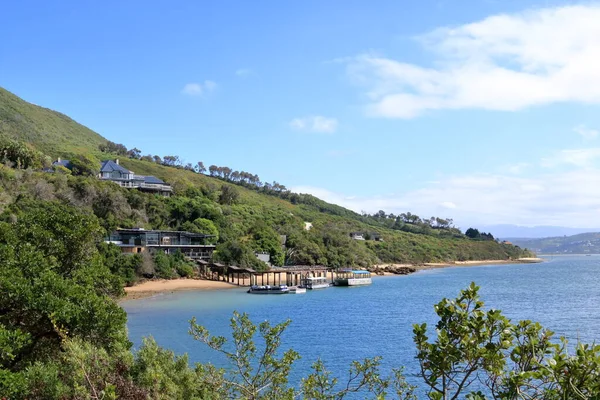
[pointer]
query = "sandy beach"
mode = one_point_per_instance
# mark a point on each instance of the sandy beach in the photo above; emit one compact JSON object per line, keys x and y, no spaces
{"x":152,"y":288}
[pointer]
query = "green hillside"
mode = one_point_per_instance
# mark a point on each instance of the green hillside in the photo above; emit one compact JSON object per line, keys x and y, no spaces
{"x":49,"y":131}
{"x":246,"y":214}
{"x":584,"y":243}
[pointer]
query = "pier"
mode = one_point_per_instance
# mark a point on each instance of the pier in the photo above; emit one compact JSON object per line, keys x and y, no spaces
{"x":291,"y":275}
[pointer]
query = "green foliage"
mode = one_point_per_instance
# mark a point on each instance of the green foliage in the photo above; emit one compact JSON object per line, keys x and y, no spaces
{"x":19,"y":154}
{"x":184,"y":269}
{"x":164,"y":266}
{"x":229,"y":195}
{"x":512,"y":360}
{"x":239,"y":254}
{"x":84,"y":165}
{"x":54,"y":284}
{"x":264,"y":373}
{"x":167,"y":376}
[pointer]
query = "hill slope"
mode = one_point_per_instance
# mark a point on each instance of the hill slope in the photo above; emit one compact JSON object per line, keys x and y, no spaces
{"x":584,"y":243}
{"x":247,"y":218}
{"x":49,"y":131}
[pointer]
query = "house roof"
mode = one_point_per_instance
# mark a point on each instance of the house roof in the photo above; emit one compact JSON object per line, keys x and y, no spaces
{"x":62,"y":163}
{"x":139,"y":230}
{"x":110,"y":166}
{"x":153,"y":179}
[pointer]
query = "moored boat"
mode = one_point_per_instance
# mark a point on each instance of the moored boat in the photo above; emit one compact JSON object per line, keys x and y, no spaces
{"x":348,"y":277}
{"x":297,"y":290}
{"x":281,"y":289}
{"x":316,"y":282}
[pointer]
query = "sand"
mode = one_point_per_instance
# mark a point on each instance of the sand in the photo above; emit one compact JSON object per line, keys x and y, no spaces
{"x":152,"y":288}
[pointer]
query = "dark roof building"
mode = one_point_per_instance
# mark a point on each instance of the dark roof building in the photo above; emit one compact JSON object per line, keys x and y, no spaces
{"x":63,"y":163}
{"x":192,"y":245}
{"x":111,"y":170}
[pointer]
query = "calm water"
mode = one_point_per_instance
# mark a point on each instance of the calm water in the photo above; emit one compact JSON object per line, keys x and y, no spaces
{"x":344,"y":324}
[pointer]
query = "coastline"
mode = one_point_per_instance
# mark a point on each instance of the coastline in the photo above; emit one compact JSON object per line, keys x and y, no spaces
{"x":153,"y":288}
{"x":405,"y":269}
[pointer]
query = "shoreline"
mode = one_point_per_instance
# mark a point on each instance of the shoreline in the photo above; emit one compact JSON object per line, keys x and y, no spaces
{"x":153,"y":288}
{"x":405,"y":269}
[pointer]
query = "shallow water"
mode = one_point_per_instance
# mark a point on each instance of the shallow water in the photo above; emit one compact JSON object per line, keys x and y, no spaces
{"x":344,"y":324}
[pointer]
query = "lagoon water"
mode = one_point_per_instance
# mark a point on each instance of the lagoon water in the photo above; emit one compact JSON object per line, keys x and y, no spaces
{"x":344,"y":324}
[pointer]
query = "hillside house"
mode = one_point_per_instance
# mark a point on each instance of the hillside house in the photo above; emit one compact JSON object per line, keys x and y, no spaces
{"x":62,"y":163}
{"x":366,"y":236}
{"x":112,"y":171}
{"x":192,"y":245}
{"x":357,"y":235}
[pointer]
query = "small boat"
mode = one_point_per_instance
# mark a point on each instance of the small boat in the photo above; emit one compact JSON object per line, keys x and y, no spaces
{"x":317,"y":282}
{"x":348,"y":277}
{"x":297,"y":290}
{"x":281,"y":289}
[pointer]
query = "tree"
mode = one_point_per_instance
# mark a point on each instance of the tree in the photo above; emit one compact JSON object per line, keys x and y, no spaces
{"x":472,"y":233}
{"x":53,"y":284}
{"x":264,"y":374}
{"x":134,"y":153}
{"x":511,"y":360}
{"x":171,"y":161}
{"x":200,"y":168}
{"x":84,"y":165}
{"x":114,"y":148}
{"x":213,"y":170}
{"x":19,"y":154}
{"x":229,"y":195}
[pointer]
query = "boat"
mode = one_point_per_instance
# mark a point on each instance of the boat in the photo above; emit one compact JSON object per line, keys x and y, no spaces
{"x":317,"y":282}
{"x":280,"y":289}
{"x":348,"y":277}
{"x":297,"y":290}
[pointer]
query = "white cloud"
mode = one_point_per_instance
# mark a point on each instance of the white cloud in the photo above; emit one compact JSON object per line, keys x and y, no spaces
{"x":243,"y":72}
{"x":448,"y":204}
{"x":573,"y":157}
{"x":517,"y":168}
{"x":586,"y":132}
{"x":318,"y":124}
{"x":566,"y":199}
{"x":199,"y":89}
{"x":504,"y":62}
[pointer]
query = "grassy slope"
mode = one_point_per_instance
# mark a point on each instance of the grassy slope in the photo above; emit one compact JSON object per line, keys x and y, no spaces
{"x":56,"y":134}
{"x":49,"y":131}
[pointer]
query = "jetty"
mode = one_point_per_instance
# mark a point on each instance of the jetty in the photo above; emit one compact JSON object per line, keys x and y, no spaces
{"x":290,"y":275}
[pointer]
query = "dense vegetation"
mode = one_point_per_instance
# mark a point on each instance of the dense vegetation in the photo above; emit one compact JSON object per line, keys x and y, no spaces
{"x":63,"y":336}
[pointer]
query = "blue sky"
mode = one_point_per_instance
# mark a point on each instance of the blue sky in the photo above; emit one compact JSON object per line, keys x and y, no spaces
{"x":484,"y":111}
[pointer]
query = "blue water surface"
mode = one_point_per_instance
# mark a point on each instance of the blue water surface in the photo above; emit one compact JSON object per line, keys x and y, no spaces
{"x":344,"y":324}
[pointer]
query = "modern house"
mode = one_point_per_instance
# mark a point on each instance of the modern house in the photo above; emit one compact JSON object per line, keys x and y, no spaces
{"x":192,"y":245}
{"x":112,"y":171}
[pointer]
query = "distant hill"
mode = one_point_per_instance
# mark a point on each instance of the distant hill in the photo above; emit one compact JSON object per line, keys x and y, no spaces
{"x":584,"y":243}
{"x":49,"y":131}
{"x":545,"y":231}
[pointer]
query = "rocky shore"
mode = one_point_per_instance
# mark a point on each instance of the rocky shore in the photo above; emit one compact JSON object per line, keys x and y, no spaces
{"x":405,"y":269}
